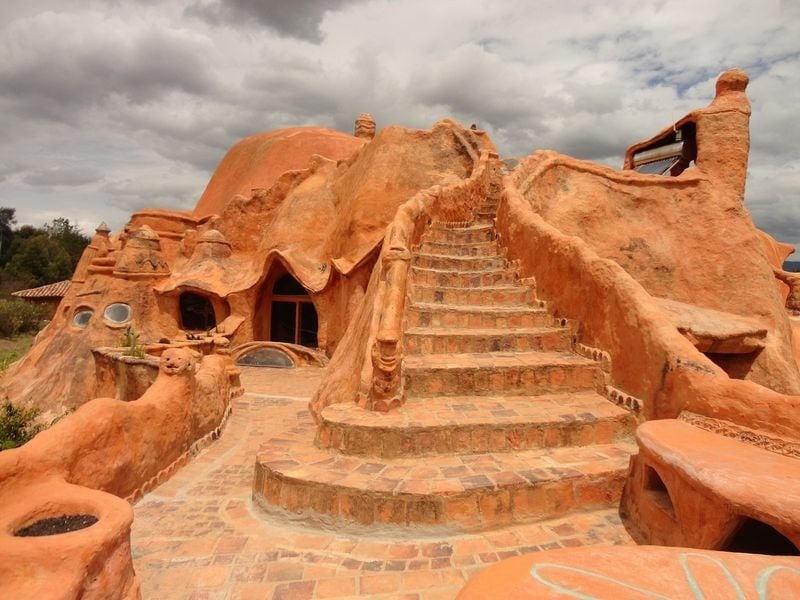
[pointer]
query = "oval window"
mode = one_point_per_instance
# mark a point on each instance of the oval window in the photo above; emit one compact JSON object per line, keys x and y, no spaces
{"x":117,"y":313}
{"x":81,"y":318}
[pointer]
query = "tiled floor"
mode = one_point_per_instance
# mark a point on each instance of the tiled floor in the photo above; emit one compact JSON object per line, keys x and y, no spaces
{"x":199,"y":535}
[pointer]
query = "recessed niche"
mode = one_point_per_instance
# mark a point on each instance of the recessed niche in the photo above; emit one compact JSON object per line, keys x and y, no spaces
{"x":755,"y":537}
{"x":657,"y":491}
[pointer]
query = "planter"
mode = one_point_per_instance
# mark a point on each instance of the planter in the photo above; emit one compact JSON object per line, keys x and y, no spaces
{"x":63,"y":542}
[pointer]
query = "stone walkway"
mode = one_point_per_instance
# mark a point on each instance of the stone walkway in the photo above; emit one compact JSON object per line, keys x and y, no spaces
{"x":200,"y":536}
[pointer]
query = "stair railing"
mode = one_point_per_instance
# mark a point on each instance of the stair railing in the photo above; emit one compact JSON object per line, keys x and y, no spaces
{"x":453,"y":203}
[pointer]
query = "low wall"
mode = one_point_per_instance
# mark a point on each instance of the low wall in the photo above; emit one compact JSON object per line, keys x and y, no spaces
{"x":106,"y":450}
{"x":615,"y":312}
{"x":650,"y":359}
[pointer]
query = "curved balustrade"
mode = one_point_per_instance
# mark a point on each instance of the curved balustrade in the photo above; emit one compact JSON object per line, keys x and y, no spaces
{"x":450,"y":204}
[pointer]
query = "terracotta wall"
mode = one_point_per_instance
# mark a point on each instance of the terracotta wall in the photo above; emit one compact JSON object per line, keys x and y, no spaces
{"x":650,"y":359}
{"x":84,"y":464}
{"x":682,"y":238}
{"x":614,"y":312}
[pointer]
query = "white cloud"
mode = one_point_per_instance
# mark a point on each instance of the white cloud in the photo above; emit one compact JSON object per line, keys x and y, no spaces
{"x":157,"y":91}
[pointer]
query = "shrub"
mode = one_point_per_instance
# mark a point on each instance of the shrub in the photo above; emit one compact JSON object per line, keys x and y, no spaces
{"x":6,"y":358}
{"x":17,"y":425}
{"x":18,"y":316}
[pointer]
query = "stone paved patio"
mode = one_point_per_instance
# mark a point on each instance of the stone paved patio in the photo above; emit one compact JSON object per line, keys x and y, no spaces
{"x":200,"y":536}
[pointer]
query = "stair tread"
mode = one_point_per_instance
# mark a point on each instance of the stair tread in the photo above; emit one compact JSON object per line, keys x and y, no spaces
{"x":488,"y":360}
{"x":474,"y":227}
{"x":500,"y":410}
{"x":461,"y":258}
{"x":501,"y":287}
{"x":458,"y":242}
{"x":481,"y":331}
{"x":444,"y":474}
{"x":464,"y":272}
{"x":500,"y":309}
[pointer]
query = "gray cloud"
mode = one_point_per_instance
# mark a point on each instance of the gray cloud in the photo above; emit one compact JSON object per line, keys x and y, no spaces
{"x":133,"y":194}
{"x":298,"y":18}
{"x":62,"y":176}
{"x":58,"y":66}
{"x":152,"y":99}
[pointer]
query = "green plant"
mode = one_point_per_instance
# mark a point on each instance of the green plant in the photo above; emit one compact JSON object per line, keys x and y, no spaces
{"x":130,"y":342}
{"x":17,"y":425}
{"x":18,"y":316}
{"x":6,"y":358}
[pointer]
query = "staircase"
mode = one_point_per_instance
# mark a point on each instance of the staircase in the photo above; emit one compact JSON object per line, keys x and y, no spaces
{"x":503,"y":423}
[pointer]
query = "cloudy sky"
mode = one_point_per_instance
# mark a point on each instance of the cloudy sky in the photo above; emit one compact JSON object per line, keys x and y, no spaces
{"x":108,"y":106}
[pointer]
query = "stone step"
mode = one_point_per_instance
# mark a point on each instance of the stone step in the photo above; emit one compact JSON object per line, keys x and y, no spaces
{"x":481,"y":232}
{"x":431,"y":340}
{"x":474,"y":424}
{"x":420,"y":314}
{"x":500,"y":295}
{"x":487,"y":209}
{"x":493,"y":373}
{"x":451,"y":492}
{"x":443,"y":262}
{"x":470,"y":279}
{"x":454,"y":249}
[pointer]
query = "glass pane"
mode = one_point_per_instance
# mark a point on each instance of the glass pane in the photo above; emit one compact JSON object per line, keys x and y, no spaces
{"x":117,"y":313}
{"x":282,"y":322}
{"x":308,"y":325}
{"x":81,"y":318}
{"x":266,"y":357}
{"x":658,"y":167}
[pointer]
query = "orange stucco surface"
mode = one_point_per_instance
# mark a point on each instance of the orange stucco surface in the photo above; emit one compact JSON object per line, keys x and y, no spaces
{"x":510,"y":361}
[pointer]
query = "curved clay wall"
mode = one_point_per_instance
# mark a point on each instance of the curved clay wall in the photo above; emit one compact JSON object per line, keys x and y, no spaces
{"x":88,"y":462}
{"x":650,"y":359}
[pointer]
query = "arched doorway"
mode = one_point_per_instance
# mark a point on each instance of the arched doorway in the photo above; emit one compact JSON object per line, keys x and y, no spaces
{"x":197,"y":312}
{"x":293,"y":318}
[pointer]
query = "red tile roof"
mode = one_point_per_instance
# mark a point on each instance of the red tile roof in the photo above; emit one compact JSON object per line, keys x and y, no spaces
{"x":58,"y":289}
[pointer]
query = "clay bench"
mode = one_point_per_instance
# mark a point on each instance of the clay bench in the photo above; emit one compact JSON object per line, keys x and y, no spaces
{"x":636,"y":573}
{"x":693,"y":487}
{"x":715,"y":331}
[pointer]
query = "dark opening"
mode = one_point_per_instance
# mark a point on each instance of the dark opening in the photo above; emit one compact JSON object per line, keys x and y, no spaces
{"x":197,"y":312}
{"x":282,"y":323}
{"x":288,"y":286}
{"x":736,"y":366}
{"x":308,"y":325}
{"x":755,"y":537}
{"x":657,"y":491}
{"x":293,"y":318}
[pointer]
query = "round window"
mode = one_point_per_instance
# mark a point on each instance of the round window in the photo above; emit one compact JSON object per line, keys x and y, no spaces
{"x":117,"y":313}
{"x":82,"y":316}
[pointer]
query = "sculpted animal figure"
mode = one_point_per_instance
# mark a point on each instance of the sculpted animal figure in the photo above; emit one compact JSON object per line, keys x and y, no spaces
{"x":115,"y":446}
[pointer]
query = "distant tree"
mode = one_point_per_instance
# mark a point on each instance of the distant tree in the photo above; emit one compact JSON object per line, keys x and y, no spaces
{"x":32,"y":256}
{"x":7,"y":219}
{"x":40,"y":260}
{"x":69,"y":236}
